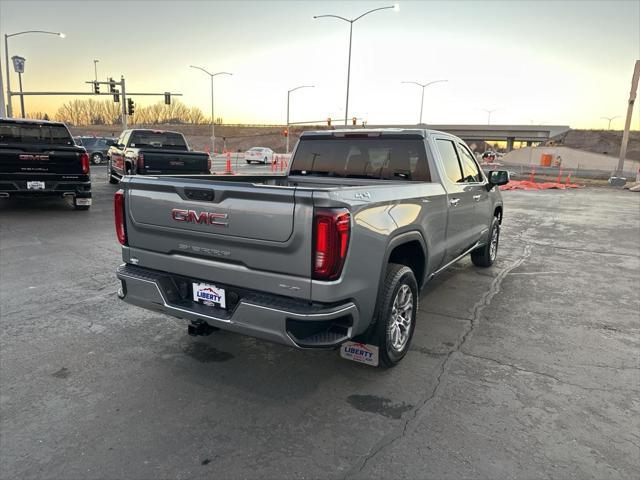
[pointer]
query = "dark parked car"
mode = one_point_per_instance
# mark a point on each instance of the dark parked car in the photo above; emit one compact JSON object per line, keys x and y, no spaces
{"x":39,"y":158}
{"x":97,"y":147}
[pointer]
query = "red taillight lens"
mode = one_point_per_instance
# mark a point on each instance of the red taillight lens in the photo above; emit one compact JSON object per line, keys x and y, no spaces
{"x":209,"y":164}
{"x":140,"y":162}
{"x":118,"y":210}
{"x":332,"y":228}
{"x":84,"y":161}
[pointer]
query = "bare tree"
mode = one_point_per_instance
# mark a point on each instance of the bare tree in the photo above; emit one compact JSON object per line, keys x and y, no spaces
{"x":38,"y":115}
{"x":106,"y":112}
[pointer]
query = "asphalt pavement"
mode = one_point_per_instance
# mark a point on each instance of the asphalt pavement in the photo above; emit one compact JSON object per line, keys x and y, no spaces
{"x":528,"y":369}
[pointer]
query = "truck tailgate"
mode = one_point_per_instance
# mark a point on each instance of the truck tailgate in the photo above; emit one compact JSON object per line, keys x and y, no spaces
{"x":202,"y":225}
{"x":174,"y":161}
{"x":40,"y":159}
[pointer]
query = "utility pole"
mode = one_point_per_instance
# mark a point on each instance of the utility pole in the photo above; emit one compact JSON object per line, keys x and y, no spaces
{"x":95,"y":68}
{"x":627,"y":123}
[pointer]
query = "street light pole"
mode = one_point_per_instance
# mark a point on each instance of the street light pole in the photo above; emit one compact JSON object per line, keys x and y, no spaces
{"x":213,"y":118}
{"x":6,"y":59}
{"x":610,"y":119}
{"x":288,"y":95}
{"x":423,"y":86}
{"x":395,"y":7}
{"x":489,"y":112}
{"x":21,"y":96}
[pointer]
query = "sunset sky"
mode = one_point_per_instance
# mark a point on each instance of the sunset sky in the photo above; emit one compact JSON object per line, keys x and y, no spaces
{"x":533,"y":61}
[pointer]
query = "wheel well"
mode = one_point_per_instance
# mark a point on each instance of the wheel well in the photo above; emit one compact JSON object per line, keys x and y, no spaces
{"x":498,"y":213}
{"x":410,"y":254}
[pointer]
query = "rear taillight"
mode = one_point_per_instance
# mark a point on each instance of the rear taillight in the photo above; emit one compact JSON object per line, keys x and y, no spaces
{"x":118,"y":210}
{"x":140,"y":162}
{"x":84,"y":161}
{"x":209,"y":164}
{"x":332,"y":228}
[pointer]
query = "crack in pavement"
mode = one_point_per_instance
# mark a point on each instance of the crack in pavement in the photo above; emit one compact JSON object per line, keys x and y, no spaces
{"x":582,"y":250}
{"x":542,"y":374}
{"x":416,"y":413}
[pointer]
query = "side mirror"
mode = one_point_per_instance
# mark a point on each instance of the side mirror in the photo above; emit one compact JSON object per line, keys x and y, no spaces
{"x":497,"y":177}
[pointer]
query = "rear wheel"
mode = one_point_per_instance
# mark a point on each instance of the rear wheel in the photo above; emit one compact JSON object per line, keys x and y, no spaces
{"x":395,"y":314}
{"x":97,"y":158}
{"x":487,"y":254}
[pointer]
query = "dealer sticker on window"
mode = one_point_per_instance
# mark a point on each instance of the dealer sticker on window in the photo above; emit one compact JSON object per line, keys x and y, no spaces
{"x":360,"y":352}
{"x":209,"y":294}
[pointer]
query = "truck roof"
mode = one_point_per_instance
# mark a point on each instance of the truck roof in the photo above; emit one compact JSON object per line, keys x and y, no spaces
{"x":29,"y":121}
{"x":369,"y":132}
{"x":153,"y":130}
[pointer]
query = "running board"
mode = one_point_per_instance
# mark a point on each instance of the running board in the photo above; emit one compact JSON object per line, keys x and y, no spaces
{"x":467,"y":252}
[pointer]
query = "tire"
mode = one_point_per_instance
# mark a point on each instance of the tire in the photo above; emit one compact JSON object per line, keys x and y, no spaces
{"x":248,"y":162}
{"x":392,"y":332}
{"x":97,"y":158}
{"x":265,"y":160}
{"x":485,"y":256}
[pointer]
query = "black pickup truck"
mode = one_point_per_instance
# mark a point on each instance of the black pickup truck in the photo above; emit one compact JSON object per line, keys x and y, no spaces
{"x":154,"y":152}
{"x":40,"y":158}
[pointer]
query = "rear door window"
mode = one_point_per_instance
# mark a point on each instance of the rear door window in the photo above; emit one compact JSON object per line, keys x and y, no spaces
{"x":450,"y":160}
{"x":470,"y":168}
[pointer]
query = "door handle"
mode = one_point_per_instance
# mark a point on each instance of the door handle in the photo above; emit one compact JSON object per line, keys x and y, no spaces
{"x":454,"y":201}
{"x":477,"y":197}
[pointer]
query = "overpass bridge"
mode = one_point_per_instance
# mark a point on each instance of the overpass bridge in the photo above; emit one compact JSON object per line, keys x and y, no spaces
{"x":532,"y":134}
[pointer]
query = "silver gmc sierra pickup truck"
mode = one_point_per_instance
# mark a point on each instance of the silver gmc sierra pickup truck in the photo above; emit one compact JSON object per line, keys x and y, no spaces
{"x":333,"y":254}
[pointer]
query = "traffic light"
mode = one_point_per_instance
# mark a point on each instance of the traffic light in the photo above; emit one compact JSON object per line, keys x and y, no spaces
{"x":131,"y":107}
{"x":285,"y":132}
{"x":329,"y":121}
{"x":96,"y":87}
{"x":167,"y":98}
{"x":354,"y":120}
{"x":112,"y":89}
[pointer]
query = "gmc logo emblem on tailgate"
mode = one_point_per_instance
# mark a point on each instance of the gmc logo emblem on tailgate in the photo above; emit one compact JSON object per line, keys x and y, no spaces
{"x":203,"y":218}
{"x":33,"y":157}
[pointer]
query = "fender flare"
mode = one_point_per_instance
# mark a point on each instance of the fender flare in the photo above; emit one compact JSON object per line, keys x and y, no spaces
{"x":401,"y":239}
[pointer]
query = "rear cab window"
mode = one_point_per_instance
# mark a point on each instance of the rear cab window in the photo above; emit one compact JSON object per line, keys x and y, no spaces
{"x":34,"y":133}
{"x":376,"y":157}
{"x":162,"y":140}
